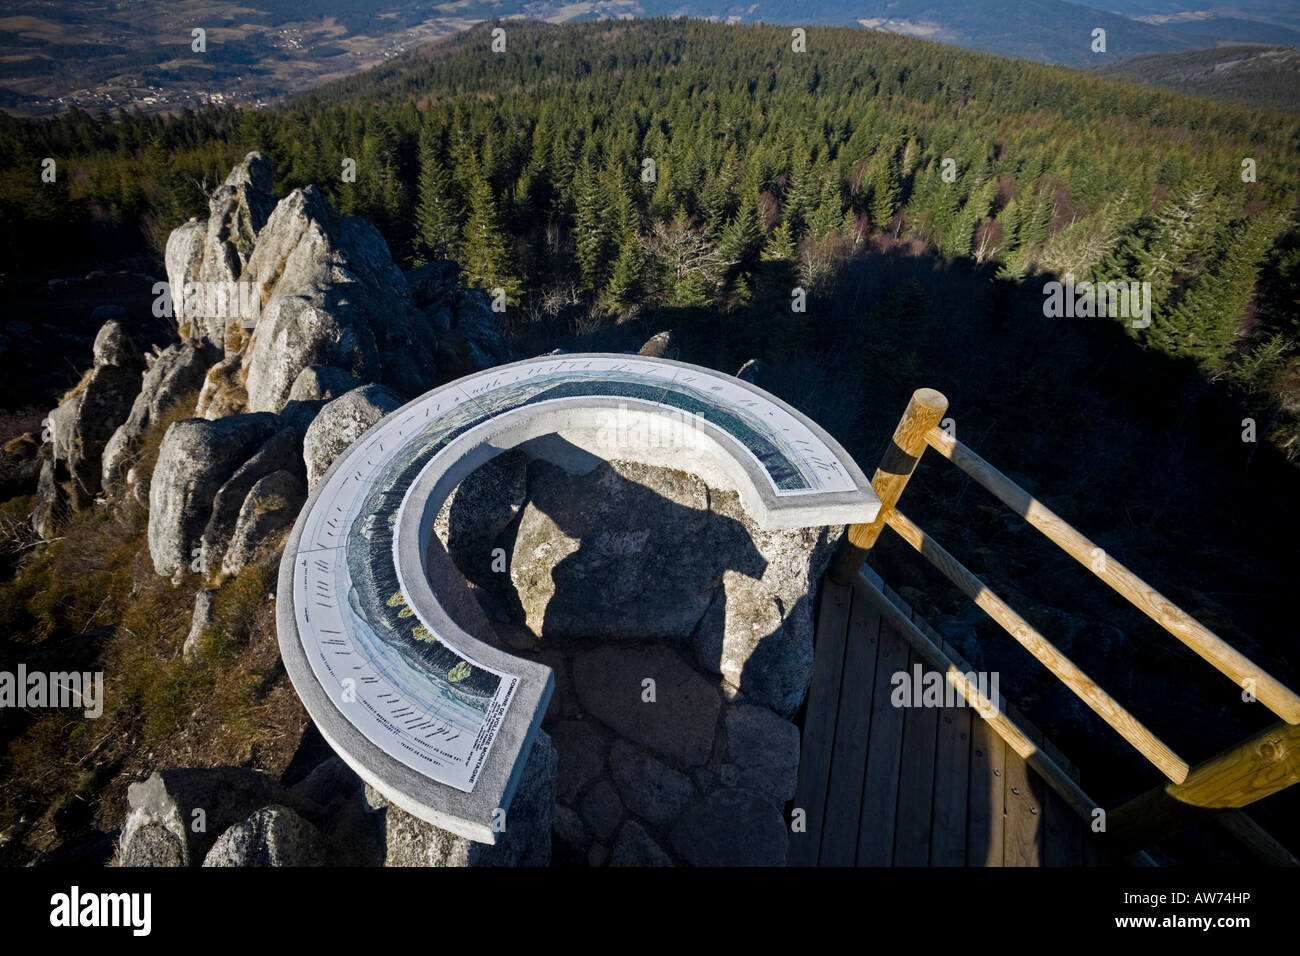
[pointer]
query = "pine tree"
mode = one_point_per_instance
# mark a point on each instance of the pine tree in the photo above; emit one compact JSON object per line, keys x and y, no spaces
{"x":485,"y":263}
{"x":438,"y":214}
{"x":1206,"y":323}
{"x":626,"y":278}
{"x":625,"y":283}
{"x":829,"y":215}
{"x":591,"y":228}
{"x":780,"y":244}
{"x":741,"y":242}
{"x":885,"y":189}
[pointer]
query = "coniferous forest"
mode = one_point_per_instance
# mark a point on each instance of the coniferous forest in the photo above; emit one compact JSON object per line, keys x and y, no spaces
{"x":870,"y":216}
{"x":676,"y":164}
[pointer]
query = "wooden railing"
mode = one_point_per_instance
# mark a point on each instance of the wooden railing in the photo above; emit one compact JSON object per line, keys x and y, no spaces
{"x":1258,"y":766}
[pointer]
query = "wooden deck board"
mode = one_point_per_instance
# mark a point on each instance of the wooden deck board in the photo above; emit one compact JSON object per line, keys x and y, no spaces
{"x":859,"y":693}
{"x":984,"y":821}
{"x":880,"y":790}
{"x":951,"y":788}
{"x":819,"y":723}
{"x":1022,"y":843}
{"x":914,"y":821}
{"x":884,"y":785}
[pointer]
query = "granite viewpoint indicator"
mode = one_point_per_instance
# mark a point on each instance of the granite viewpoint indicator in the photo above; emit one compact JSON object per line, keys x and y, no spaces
{"x":439,"y":721}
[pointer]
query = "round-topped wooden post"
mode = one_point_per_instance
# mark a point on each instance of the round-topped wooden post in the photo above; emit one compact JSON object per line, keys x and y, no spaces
{"x":924,"y":412}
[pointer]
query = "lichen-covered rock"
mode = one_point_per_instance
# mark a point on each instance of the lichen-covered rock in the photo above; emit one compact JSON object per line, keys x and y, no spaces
{"x":635,"y":847}
{"x":175,"y":372}
{"x":273,"y":503}
{"x":222,"y":394}
{"x":474,"y":339}
{"x":567,"y":826}
{"x":649,"y":787}
{"x":479,"y":509}
{"x":602,"y":555}
{"x":197,"y":457}
{"x":526,"y":840}
{"x":83,"y":424}
{"x":175,"y":816}
{"x":581,"y":754}
{"x":333,"y":296}
{"x":661,"y":345}
{"x":601,"y":810}
{"x":314,"y":386}
{"x":272,"y":836}
{"x":758,"y":633}
{"x":50,"y":504}
{"x":433,"y":285}
{"x":200,"y":621}
{"x":279,"y":453}
{"x":340,"y":423}
{"x":731,"y":828}
{"x":237,"y":211}
{"x":113,"y":346}
{"x":651,"y":697}
{"x":765,"y":749}
{"x":182,"y":257}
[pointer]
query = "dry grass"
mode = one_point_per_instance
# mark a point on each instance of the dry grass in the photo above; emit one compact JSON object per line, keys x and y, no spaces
{"x":21,"y":421}
{"x":92,"y":601}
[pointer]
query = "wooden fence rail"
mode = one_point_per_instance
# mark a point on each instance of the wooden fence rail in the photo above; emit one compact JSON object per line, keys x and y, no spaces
{"x":1258,"y":766}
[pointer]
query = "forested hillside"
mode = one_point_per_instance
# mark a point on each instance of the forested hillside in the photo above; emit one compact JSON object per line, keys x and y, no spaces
{"x":694,"y":176}
{"x":531,"y":168}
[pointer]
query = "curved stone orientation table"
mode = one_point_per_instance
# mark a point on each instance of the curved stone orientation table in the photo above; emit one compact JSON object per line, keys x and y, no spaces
{"x":437,"y":720}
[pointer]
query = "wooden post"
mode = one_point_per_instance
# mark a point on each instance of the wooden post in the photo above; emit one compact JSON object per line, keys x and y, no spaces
{"x":924,"y":412}
{"x":1257,"y":767}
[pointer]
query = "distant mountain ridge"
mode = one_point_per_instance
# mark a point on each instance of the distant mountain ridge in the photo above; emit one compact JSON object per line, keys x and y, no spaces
{"x":1249,"y":75}
{"x":55,"y":54}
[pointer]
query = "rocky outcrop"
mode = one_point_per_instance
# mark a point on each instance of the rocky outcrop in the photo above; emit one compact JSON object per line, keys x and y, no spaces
{"x":740,"y":596}
{"x":200,"y":621}
{"x":622,"y":525}
{"x":176,"y":816}
{"x":479,"y":509}
{"x":271,"y":836}
{"x":223,"y":392}
{"x":196,"y":459}
{"x":524,"y":841}
{"x":219,"y":249}
{"x":182,"y":258}
{"x":173,"y":374}
{"x":279,"y":453}
{"x":332,"y":297}
{"x":312,"y":389}
{"x":469,"y":332}
{"x":731,"y":828}
{"x":272,"y":504}
{"x":340,"y":423}
{"x":474,"y":340}
{"x":83,"y":424}
{"x":661,"y":345}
